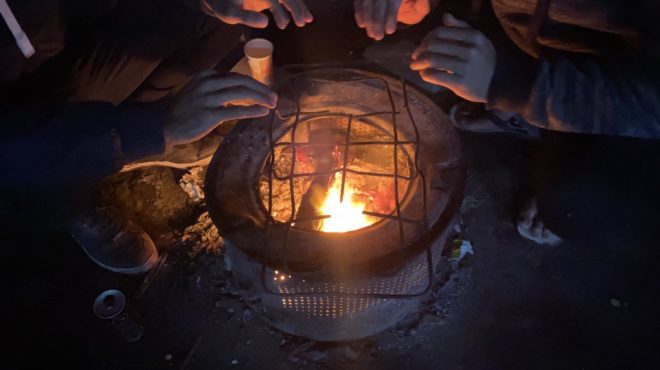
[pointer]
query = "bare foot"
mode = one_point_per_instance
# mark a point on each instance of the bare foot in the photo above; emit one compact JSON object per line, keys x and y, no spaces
{"x":531,"y":227}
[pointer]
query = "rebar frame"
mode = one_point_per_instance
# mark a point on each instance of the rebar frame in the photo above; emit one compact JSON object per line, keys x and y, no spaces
{"x":396,"y":216}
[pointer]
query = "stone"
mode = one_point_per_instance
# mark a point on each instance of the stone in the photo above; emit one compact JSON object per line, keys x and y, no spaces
{"x":247,"y":314}
{"x":351,"y":354}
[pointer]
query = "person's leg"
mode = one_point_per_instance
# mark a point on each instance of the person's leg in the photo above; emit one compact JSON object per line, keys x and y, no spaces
{"x":214,"y":43}
{"x":138,"y":51}
{"x":594,"y":188}
{"x":118,"y":74}
{"x":114,"y":71}
{"x":218,"y":46}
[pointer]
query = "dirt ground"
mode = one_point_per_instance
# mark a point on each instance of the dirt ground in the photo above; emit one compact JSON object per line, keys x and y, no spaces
{"x":513,"y":306}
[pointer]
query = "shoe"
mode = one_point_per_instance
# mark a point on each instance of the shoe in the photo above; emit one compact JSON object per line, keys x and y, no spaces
{"x":475,"y":118}
{"x":121,"y":247}
{"x":197,"y":153}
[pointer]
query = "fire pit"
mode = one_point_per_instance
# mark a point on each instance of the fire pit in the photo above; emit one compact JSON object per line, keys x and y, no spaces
{"x":336,"y":207}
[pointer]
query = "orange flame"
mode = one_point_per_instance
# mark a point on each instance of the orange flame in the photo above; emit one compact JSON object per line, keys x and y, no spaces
{"x":346,"y":215}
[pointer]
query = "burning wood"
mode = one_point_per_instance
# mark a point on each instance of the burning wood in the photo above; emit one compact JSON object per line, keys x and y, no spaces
{"x":345,"y":215}
{"x":321,"y":150}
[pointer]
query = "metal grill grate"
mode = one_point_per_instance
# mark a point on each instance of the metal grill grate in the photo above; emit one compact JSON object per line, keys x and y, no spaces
{"x":333,"y":299}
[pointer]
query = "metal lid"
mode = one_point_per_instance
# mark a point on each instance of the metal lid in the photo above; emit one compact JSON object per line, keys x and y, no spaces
{"x":109,"y":304}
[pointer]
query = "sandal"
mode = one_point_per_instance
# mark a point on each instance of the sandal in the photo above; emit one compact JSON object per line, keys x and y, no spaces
{"x":475,"y":118}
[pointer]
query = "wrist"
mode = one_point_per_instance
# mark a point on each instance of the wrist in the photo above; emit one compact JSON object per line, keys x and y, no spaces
{"x":511,"y":83}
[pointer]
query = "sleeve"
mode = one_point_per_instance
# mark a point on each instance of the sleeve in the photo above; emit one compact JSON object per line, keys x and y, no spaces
{"x":581,"y":95}
{"x":74,"y":144}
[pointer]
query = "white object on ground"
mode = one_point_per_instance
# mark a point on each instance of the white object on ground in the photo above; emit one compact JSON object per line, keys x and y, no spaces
{"x":464,"y":249}
{"x":191,"y":183}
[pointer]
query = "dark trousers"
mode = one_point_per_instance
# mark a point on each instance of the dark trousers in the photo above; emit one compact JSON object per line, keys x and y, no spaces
{"x":141,"y":51}
{"x":596,"y":188}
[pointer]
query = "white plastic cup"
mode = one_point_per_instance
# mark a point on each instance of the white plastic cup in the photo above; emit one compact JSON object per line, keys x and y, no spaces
{"x":259,"y":53}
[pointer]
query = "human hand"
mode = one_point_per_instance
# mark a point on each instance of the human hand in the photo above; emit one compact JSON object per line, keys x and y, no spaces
{"x":379,"y":17}
{"x":457,"y":57}
{"x":210,"y":99}
{"x":248,"y":12}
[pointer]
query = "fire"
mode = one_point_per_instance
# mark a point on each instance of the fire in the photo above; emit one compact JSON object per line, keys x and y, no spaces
{"x":346,"y":215}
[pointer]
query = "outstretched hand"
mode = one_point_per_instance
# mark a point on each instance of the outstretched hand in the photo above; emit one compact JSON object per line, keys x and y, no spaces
{"x":248,"y":12}
{"x":457,"y":57}
{"x":379,"y":17}
{"x":210,"y":99}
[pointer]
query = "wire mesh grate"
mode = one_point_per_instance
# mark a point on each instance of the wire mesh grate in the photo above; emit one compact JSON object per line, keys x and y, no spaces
{"x":294,"y":292}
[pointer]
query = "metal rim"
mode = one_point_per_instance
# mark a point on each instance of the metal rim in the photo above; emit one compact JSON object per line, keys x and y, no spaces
{"x":450,"y":207}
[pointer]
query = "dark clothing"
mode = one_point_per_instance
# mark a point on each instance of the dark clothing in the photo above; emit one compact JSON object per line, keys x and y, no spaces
{"x":588,"y":67}
{"x":591,"y":67}
{"x":97,"y":98}
{"x":96,"y":95}
{"x":74,"y":143}
{"x":595,"y":188}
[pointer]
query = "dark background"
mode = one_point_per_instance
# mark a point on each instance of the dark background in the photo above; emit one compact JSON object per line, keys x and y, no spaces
{"x":514,"y":306}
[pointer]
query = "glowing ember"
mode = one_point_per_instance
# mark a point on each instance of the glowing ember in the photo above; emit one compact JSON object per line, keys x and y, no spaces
{"x":346,"y":215}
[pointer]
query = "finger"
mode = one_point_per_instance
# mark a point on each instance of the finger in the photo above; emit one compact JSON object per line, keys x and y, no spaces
{"x":427,"y":40}
{"x":449,"y":20}
{"x":215,"y":83}
{"x":441,"y":78}
{"x":307,"y":15}
{"x":239,"y":95}
{"x":280,"y":15}
{"x":232,"y":113}
{"x":368,"y":12}
{"x":432,"y":38}
{"x":296,"y":11}
{"x":378,"y":18}
{"x":438,"y":46}
{"x":236,"y":15}
{"x":463,"y":35}
{"x":392,"y":12}
{"x":438,"y":61}
{"x":212,"y":118}
{"x":359,"y":13}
